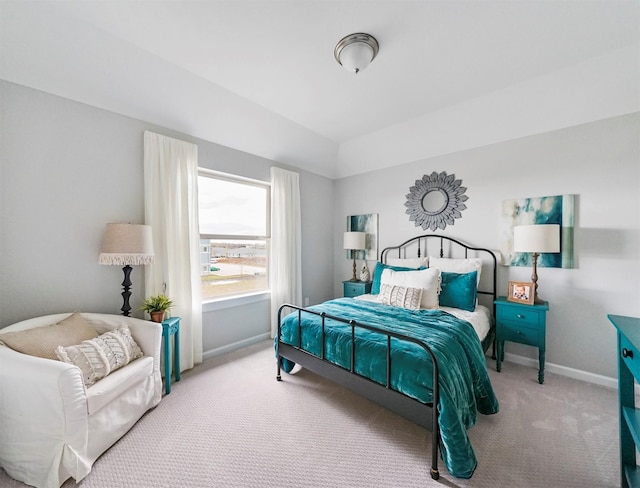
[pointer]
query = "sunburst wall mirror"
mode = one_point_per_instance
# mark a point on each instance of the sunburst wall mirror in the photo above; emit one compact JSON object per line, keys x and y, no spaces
{"x":436,"y":200}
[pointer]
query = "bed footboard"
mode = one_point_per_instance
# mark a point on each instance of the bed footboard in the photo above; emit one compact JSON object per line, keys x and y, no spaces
{"x":423,"y":414}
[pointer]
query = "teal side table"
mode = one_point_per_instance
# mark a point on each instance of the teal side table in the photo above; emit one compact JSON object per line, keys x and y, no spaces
{"x":355,"y":288}
{"x":171,"y":327}
{"x":525,"y":324}
{"x":628,"y":329}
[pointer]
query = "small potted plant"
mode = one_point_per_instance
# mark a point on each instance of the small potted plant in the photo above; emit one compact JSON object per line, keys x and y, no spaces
{"x":156,"y":306}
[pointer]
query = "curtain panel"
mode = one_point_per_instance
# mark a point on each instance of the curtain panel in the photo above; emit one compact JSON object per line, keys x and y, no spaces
{"x":171,"y":208}
{"x":285,"y":275}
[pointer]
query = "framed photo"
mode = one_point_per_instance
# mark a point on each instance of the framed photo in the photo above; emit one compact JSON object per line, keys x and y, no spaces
{"x":520,"y":292}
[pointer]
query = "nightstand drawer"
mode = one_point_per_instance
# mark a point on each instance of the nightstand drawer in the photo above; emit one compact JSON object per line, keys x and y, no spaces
{"x":630,"y":356}
{"x":356,"y":288}
{"x":519,"y":315}
{"x":515,"y":332}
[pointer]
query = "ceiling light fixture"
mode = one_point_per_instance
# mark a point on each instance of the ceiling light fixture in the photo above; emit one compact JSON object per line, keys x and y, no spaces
{"x":356,"y":51}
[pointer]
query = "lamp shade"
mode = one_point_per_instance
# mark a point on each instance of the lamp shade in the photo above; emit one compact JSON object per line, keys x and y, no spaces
{"x":127,"y":244}
{"x":536,"y":238}
{"x":355,"y":240}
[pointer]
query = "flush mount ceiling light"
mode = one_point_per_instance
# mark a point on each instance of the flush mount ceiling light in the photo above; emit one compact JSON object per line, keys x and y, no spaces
{"x":356,"y":51}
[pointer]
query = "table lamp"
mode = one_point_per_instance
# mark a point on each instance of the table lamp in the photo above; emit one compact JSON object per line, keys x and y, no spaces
{"x":355,"y":241}
{"x":536,"y":239}
{"x":126,"y":244}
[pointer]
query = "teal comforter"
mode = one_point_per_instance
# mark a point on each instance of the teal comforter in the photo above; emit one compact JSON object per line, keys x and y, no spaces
{"x":465,"y":388}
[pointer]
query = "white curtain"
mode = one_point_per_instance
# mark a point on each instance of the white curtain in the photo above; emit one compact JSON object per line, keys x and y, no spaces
{"x":285,"y":275}
{"x":171,"y":209}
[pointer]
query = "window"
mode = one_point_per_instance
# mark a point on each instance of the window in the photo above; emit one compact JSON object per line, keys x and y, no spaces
{"x":234,"y":234}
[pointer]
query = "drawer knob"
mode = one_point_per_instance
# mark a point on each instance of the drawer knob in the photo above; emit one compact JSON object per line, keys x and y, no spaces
{"x":626,"y":353}
{"x":520,"y":316}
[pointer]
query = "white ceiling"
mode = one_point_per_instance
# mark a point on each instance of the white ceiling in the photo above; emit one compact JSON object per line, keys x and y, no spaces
{"x":260,"y":75}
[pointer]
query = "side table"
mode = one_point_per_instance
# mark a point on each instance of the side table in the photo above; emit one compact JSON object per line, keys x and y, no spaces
{"x":171,"y":327}
{"x":525,"y":324}
{"x":355,"y":288}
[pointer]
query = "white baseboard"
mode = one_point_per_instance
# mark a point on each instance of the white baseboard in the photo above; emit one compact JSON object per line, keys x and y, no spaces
{"x":565,"y":371}
{"x":236,"y":345}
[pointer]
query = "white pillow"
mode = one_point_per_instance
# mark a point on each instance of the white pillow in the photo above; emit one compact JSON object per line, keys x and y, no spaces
{"x":427,"y":279}
{"x":102,"y":355}
{"x":453,"y":265}
{"x":407,"y":262}
{"x":400,"y":296}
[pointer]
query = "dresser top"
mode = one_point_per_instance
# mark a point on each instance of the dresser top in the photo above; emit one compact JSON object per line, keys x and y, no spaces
{"x":628,"y":327}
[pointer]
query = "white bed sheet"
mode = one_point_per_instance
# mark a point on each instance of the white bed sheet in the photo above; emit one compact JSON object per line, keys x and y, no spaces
{"x":480,"y":318}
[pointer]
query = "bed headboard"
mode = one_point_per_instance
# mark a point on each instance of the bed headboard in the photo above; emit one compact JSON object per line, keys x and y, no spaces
{"x":448,"y":247}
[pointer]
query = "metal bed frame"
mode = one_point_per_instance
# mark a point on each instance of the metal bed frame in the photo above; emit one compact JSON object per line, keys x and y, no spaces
{"x":420,"y":413}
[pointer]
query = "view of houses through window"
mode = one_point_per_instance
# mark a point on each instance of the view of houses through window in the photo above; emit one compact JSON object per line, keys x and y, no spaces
{"x":232,"y":267}
{"x":234,"y":235}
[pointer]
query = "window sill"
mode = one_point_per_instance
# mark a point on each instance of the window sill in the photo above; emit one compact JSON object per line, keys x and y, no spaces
{"x":235,"y":301}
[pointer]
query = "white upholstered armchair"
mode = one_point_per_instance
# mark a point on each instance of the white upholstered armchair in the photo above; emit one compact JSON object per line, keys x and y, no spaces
{"x":53,"y":426}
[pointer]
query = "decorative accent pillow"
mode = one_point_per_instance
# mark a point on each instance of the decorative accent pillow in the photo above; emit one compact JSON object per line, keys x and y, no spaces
{"x":414,"y":263}
{"x":98,"y":357}
{"x":456,"y":265}
{"x":459,"y":290}
{"x":377,"y":274}
{"x":427,"y":279}
{"x":42,"y":341}
{"x":400,"y":296}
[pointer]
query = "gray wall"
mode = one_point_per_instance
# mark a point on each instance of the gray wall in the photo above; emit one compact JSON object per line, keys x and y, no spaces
{"x":598,"y":162}
{"x":68,"y":169}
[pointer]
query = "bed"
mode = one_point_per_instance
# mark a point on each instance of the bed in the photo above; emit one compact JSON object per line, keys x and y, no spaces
{"x":416,"y":341}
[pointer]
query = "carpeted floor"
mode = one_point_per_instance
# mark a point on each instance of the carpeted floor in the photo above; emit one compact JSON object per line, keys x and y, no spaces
{"x":229,"y":423}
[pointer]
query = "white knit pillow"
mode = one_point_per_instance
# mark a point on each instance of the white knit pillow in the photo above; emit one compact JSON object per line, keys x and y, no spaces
{"x":98,"y":357}
{"x":400,"y":296}
{"x":427,"y":279}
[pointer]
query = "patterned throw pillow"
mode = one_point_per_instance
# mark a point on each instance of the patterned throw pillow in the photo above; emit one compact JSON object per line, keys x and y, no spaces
{"x":98,"y":357}
{"x":400,"y":296}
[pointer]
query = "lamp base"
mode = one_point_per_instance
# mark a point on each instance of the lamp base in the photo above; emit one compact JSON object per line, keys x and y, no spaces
{"x":354,"y":277}
{"x":534,"y":279}
{"x":126,"y":293}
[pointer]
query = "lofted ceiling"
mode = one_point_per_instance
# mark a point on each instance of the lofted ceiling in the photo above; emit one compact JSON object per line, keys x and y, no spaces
{"x":260,"y":76}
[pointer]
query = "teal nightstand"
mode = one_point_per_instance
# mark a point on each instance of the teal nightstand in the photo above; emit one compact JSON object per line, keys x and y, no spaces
{"x":628,"y":329}
{"x":171,"y":327}
{"x":355,"y":288}
{"x":525,"y":324}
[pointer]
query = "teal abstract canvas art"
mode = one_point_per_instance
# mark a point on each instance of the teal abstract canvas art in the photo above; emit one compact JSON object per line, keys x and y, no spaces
{"x":557,"y":209}
{"x":367,"y":223}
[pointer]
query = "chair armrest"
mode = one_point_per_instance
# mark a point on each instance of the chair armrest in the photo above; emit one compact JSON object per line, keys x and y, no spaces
{"x":147,"y":334}
{"x":52,"y":396}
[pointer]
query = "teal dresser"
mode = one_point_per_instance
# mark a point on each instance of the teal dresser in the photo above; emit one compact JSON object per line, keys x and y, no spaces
{"x":355,"y":288}
{"x":525,"y":324}
{"x":628,"y":373}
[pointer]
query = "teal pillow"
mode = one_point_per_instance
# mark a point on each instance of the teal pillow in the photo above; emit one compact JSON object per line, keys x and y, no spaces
{"x":459,"y":290}
{"x":377,"y":275}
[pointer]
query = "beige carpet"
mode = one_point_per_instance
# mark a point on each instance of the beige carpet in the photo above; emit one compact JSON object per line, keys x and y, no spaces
{"x":228,"y":423}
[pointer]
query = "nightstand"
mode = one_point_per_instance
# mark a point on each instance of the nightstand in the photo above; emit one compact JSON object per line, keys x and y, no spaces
{"x":525,"y":324}
{"x":355,"y":288}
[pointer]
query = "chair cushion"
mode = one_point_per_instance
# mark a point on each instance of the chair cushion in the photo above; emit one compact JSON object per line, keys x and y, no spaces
{"x":114,"y":385}
{"x":42,"y":341}
{"x":102,"y":355}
